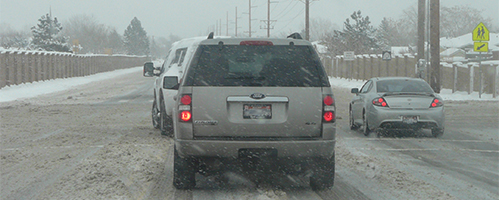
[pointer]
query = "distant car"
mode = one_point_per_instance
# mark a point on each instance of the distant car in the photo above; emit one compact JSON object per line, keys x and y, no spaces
{"x":395,"y":103}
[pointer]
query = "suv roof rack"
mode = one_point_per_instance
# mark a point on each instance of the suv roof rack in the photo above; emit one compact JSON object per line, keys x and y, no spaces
{"x":295,"y":36}
{"x":211,"y":35}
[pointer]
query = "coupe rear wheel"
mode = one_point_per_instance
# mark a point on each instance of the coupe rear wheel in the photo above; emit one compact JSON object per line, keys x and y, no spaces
{"x":352,"y":125}
{"x":366,"y":129}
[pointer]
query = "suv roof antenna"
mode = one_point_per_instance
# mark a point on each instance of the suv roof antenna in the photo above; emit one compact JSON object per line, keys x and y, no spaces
{"x":295,"y":36}
{"x":211,"y":35}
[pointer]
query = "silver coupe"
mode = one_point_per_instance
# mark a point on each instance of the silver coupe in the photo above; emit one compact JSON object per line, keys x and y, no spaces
{"x":395,"y":103}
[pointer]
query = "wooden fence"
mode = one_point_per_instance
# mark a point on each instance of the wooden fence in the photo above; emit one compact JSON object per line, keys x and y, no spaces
{"x":18,"y":67}
{"x":467,"y":77}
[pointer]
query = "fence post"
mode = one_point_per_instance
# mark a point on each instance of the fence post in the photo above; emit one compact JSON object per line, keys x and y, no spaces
{"x":364,"y":67}
{"x":481,"y":81}
{"x":371,"y":66}
{"x":406,"y":65}
{"x":3,"y":69}
{"x":387,"y":68}
{"x":471,"y":78}
{"x":495,"y":87}
{"x":379,"y":66}
{"x":455,"y":77}
{"x":10,"y":67}
{"x":29,"y":67}
{"x":396,"y":57}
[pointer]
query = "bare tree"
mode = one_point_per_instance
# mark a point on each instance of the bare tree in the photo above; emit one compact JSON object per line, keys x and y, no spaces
{"x":88,"y":33}
{"x":10,"y":38}
{"x":460,"y":20}
{"x":320,"y":28}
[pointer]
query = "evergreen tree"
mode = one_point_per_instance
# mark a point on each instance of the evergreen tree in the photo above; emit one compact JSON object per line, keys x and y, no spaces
{"x":359,"y":36}
{"x":135,"y":39}
{"x":115,"y":41}
{"x":45,"y":35}
{"x":384,"y":34}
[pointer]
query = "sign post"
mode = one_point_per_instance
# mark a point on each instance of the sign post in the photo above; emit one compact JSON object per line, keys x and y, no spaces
{"x":349,"y":56}
{"x":386,"y":55}
{"x":480,"y":36}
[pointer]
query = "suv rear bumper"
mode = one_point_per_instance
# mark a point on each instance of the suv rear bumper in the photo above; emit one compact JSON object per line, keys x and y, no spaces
{"x":230,"y":149}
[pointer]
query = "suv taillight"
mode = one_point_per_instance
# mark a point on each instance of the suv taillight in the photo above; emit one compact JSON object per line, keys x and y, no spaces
{"x":328,"y":109}
{"x":185,"y":114}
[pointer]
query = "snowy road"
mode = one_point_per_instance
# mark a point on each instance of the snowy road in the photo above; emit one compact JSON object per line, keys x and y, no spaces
{"x":96,"y":141}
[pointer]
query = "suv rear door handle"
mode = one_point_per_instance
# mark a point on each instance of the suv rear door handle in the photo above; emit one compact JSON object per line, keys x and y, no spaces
{"x":175,"y":98}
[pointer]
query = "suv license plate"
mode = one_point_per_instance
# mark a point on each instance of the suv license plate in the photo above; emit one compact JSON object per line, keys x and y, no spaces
{"x":410,"y":119}
{"x":257,"y":111}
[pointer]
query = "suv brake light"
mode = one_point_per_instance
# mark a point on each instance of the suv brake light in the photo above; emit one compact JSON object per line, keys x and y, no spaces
{"x":185,"y":113}
{"x":257,"y":43}
{"x":328,"y":109}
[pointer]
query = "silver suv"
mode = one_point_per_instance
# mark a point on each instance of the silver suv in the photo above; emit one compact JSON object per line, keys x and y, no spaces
{"x":254,"y":101}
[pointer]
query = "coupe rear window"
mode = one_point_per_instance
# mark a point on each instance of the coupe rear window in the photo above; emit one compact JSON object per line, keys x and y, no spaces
{"x":246,"y":65}
{"x":404,"y":86}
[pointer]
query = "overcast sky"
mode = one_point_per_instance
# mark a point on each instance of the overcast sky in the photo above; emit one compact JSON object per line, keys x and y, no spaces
{"x":187,"y":18}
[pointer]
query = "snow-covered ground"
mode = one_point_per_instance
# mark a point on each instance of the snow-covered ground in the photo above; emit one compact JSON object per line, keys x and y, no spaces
{"x":30,"y":90}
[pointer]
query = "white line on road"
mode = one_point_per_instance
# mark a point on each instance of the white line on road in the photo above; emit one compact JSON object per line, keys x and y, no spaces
{"x":388,"y":149}
{"x":414,"y":139}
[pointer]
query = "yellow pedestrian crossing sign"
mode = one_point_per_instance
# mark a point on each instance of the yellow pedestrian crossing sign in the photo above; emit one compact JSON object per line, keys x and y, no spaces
{"x":480,"y":46}
{"x":480,"y":33}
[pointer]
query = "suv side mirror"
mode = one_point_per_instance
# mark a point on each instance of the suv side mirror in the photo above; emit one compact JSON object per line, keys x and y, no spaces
{"x":355,"y":90}
{"x":148,"y":69}
{"x":171,"y":82}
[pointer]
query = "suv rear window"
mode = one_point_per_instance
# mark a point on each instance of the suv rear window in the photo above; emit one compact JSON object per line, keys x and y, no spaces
{"x":247,"y":65}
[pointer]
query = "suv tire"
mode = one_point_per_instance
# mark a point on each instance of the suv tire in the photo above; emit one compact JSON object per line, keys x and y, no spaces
{"x":184,"y":172}
{"x":155,"y":118}
{"x":166,"y":122}
{"x":324,"y":174}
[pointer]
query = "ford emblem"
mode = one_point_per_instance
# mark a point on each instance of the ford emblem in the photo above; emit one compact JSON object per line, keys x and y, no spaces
{"x":257,"y":96}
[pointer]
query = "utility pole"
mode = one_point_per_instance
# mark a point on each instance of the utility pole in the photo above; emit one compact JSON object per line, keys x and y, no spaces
{"x":307,"y":20}
{"x":268,"y":17}
{"x":236,"y":22}
{"x":249,"y":18}
{"x":307,"y":2}
{"x":421,"y":29}
{"x":227,"y":23}
{"x":435,"y":72}
{"x":267,"y":23}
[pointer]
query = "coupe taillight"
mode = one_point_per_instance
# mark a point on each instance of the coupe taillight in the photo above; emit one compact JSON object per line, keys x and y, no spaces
{"x":185,"y":114}
{"x":436,"y":103}
{"x":328,"y":109}
{"x":380,"y":102}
